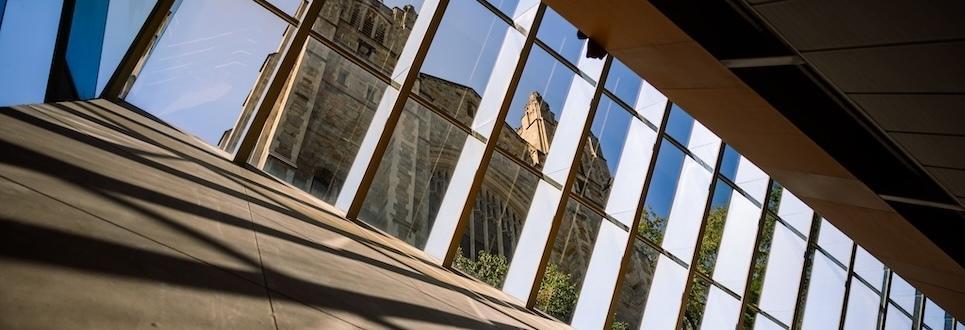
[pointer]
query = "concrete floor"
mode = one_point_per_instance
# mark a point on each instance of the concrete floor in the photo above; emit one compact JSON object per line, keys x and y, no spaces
{"x":109,"y":219}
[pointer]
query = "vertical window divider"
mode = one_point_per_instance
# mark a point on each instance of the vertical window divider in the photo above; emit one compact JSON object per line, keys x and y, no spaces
{"x":368,"y":175}
{"x":493,"y":140}
{"x":754,"y":255}
{"x":688,"y":285}
{"x":139,"y":48}
{"x":847,"y":285}
{"x":919,"y":320}
{"x":885,"y":297}
{"x":284,"y":69}
{"x":60,"y":85}
{"x":628,"y":250}
{"x":812,"y":244}
{"x":565,"y":192}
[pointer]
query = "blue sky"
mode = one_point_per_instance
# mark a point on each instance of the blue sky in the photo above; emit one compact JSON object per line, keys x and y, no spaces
{"x":466,"y":45}
{"x":27,"y":37}
{"x":206,"y":63}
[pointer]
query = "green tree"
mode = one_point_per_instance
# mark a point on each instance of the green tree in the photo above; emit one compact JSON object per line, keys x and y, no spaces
{"x":619,"y":325}
{"x":557,"y":294}
{"x":651,"y":225}
{"x":706,"y":258}
{"x":713,"y":232}
{"x":487,"y":267}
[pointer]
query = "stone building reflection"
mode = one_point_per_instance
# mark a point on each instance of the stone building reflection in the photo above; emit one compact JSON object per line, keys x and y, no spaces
{"x":327,"y":107}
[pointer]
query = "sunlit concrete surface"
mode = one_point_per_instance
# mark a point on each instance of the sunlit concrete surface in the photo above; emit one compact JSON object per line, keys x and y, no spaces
{"x":109,"y":219}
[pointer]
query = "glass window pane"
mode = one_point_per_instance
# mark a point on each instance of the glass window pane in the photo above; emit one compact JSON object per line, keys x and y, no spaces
{"x":935,"y":317}
{"x":736,"y":241}
{"x":709,"y":307}
{"x":863,"y":305}
{"x":413,"y":175}
{"x":288,"y":6}
{"x":897,"y":320}
{"x":27,"y":38}
{"x":751,"y":179}
{"x":663,"y":305}
{"x":686,"y":213}
{"x":518,"y":10}
{"x":762,"y":253}
{"x":869,"y":268}
{"x":561,"y":36}
{"x":202,"y":68}
{"x":825,"y":293}
{"x":694,"y":310}
{"x":84,"y":45}
{"x":636,"y":286}
{"x":544,"y":89}
{"x":623,"y":82}
{"x":602,"y":152}
{"x":763,"y":323}
{"x":124,"y":21}
{"x":326,"y":113}
{"x":782,"y":275}
{"x":835,"y":242}
{"x":659,"y":198}
{"x":636,"y":92}
{"x":902,"y":293}
{"x":496,"y":220}
{"x":467,"y":54}
{"x":704,"y":144}
{"x":713,"y":228}
{"x":631,"y":173}
{"x":375,"y":30}
{"x":679,"y":124}
{"x":728,"y":165}
{"x":792,"y":210}
{"x":722,"y":311}
{"x":568,"y":261}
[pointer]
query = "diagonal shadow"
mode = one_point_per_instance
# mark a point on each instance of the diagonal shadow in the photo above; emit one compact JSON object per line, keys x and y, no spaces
{"x":30,"y":244}
{"x":239,"y":179}
{"x":234,"y":177}
{"x":154,"y":197}
{"x":104,"y":186}
{"x":124,"y":152}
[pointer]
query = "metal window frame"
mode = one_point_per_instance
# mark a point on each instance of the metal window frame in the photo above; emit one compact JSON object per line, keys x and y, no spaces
{"x":567,"y":185}
{"x":155,"y":22}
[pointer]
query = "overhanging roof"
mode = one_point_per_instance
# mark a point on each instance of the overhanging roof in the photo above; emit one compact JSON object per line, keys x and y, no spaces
{"x":856,"y":107}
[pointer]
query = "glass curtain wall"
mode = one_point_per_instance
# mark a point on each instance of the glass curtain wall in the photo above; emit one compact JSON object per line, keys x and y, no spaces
{"x":505,"y":143}
{"x":57,"y":50}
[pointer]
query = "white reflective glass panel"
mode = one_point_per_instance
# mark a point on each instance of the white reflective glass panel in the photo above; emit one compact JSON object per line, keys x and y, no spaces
{"x":822,"y":309}
{"x":835,"y":242}
{"x":897,"y":320}
{"x":862,"y":312}
{"x":663,"y":305}
{"x":687,"y":212}
{"x":469,"y":63}
{"x":902,"y":293}
{"x":869,"y":268}
{"x":722,"y":311}
{"x":792,"y":210}
{"x":935,"y":317}
{"x":782,"y":275}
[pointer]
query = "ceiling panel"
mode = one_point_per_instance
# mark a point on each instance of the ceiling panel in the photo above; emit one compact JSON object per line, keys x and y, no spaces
{"x":937,"y":114}
{"x":954,"y":180}
{"x":821,"y":24}
{"x":925,"y":68}
{"x":934,"y":150}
